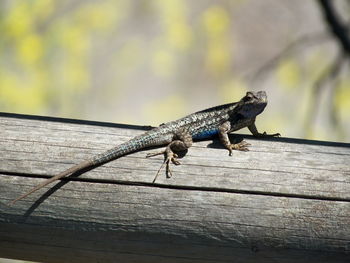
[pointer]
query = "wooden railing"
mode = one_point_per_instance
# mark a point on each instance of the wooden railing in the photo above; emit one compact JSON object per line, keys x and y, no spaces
{"x":286,"y":200}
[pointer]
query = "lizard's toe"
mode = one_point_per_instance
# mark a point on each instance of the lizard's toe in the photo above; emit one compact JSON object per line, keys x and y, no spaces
{"x":148,"y":155}
{"x":241,"y":146}
{"x":175,"y":161}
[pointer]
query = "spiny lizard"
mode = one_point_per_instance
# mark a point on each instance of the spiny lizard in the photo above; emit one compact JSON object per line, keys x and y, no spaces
{"x":179,"y":135}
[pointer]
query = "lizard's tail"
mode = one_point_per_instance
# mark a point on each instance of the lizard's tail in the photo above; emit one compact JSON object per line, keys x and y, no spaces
{"x":135,"y":144}
{"x":71,"y":170}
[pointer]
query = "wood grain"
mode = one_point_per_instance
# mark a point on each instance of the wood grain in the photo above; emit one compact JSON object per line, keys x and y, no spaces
{"x":286,"y":200}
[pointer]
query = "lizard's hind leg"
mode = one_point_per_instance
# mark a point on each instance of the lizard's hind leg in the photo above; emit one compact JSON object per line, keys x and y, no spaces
{"x":182,"y":141}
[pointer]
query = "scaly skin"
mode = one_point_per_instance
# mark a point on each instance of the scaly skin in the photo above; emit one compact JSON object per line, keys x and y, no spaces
{"x":178,"y":135}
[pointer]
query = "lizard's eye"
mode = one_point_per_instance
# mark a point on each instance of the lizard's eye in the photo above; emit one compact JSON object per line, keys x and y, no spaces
{"x":248,"y":97}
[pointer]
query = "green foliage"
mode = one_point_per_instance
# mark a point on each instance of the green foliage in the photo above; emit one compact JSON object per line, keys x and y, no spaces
{"x":46,"y":47}
{"x":288,"y":73}
{"x":49,"y":48}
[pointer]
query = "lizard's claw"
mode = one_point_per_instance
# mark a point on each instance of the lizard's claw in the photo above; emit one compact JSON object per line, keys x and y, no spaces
{"x":265,"y":135}
{"x":173,"y":159}
{"x":241,"y":146}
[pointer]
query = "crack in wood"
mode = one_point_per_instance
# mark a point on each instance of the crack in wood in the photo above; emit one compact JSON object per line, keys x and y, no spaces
{"x":186,"y":187}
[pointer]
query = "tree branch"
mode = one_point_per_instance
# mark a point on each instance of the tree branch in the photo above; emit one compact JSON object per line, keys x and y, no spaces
{"x":329,"y":75}
{"x":336,"y":26}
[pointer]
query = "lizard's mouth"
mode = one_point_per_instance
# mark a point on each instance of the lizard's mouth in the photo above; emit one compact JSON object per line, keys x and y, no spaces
{"x":261,"y":95}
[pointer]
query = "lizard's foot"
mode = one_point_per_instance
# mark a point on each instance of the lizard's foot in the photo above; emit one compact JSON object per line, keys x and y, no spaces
{"x":169,"y":157}
{"x":241,"y":146}
{"x":265,"y":135}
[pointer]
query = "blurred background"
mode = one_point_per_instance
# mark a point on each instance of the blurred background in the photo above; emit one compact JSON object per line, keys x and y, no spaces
{"x":148,"y":62}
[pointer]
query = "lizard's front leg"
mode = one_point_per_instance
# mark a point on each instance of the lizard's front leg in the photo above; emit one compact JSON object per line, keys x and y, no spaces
{"x":255,"y":132}
{"x":224,"y":129}
{"x":182,"y":141}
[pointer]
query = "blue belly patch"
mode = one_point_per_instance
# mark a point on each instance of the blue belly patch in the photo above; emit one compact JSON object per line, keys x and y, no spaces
{"x":205,"y":134}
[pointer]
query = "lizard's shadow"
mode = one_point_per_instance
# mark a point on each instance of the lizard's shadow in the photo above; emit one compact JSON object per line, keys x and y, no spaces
{"x":67,"y":179}
{"x":237,"y":138}
{"x":216,"y":144}
{"x":53,"y":189}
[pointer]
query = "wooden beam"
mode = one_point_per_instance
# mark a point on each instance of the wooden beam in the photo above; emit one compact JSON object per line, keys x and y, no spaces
{"x":286,"y":200}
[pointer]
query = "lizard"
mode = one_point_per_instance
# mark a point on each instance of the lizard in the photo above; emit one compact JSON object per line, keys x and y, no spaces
{"x":179,"y":135}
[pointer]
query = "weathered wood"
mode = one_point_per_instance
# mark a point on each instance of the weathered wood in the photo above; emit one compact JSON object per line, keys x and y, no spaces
{"x":287,"y":200}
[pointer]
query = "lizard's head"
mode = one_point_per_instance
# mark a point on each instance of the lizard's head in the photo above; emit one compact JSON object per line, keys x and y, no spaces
{"x":252,"y":104}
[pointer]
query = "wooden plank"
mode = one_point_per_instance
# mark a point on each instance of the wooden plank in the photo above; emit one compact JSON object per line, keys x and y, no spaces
{"x":277,"y":166}
{"x":286,"y":200}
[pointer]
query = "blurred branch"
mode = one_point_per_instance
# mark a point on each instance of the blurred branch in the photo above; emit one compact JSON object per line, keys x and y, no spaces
{"x":328,"y":76}
{"x":301,"y":42}
{"x":336,"y":26}
{"x":334,"y":112}
{"x":340,"y":31}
